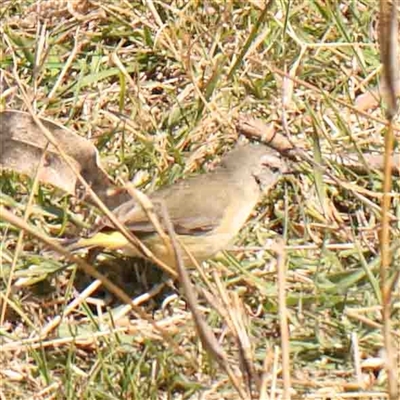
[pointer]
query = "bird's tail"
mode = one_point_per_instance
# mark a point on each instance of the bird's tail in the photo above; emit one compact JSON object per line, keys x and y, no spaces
{"x":110,"y":240}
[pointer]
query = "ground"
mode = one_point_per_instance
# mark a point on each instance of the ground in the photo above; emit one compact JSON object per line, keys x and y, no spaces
{"x":159,"y":88}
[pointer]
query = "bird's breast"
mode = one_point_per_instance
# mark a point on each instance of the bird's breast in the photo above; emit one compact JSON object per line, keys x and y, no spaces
{"x":239,"y":209}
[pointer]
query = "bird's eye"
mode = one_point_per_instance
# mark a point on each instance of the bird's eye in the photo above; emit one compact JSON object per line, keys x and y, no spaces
{"x":275,"y":170}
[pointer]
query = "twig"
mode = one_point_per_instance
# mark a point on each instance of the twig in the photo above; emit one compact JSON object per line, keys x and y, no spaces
{"x":207,"y":337}
{"x":90,"y":270}
{"x":97,"y":201}
{"x":283,"y":318}
{"x":21,"y":235}
{"x":257,"y":129}
{"x":388,"y":32}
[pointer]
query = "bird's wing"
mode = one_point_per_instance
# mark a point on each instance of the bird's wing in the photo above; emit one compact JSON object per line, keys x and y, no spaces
{"x":191,"y":211}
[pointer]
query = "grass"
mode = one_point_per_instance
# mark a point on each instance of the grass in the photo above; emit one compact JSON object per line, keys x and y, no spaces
{"x":183,"y":72}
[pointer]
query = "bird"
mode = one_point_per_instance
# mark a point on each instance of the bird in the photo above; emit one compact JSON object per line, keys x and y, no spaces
{"x":206,"y":211}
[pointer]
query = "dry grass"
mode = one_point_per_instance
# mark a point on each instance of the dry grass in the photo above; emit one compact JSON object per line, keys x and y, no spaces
{"x":183,"y":71}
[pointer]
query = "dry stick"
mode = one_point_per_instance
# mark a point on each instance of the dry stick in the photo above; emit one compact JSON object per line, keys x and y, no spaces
{"x":131,"y":238}
{"x":90,"y":270}
{"x":51,"y":325}
{"x":275,"y":371}
{"x":265,"y":377}
{"x":251,"y":127}
{"x":23,"y":225}
{"x":341,"y":102}
{"x":115,"y":117}
{"x":357,"y":360}
{"x":388,"y":35}
{"x":85,"y":266}
{"x":65,"y":68}
{"x":21,"y":234}
{"x":388,"y":32}
{"x":256,"y":129}
{"x":260,"y":20}
{"x":97,"y":201}
{"x":285,"y":345}
{"x":145,"y":297}
{"x":237,"y":328}
{"x":34,"y":343}
{"x":148,"y":208}
{"x":246,"y":356}
{"x":214,"y":111}
{"x":386,"y":258}
{"x":162,"y":28}
{"x":207,"y":337}
{"x":394,"y":280}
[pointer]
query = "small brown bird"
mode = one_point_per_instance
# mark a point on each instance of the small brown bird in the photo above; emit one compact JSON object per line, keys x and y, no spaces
{"x":207,"y":211}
